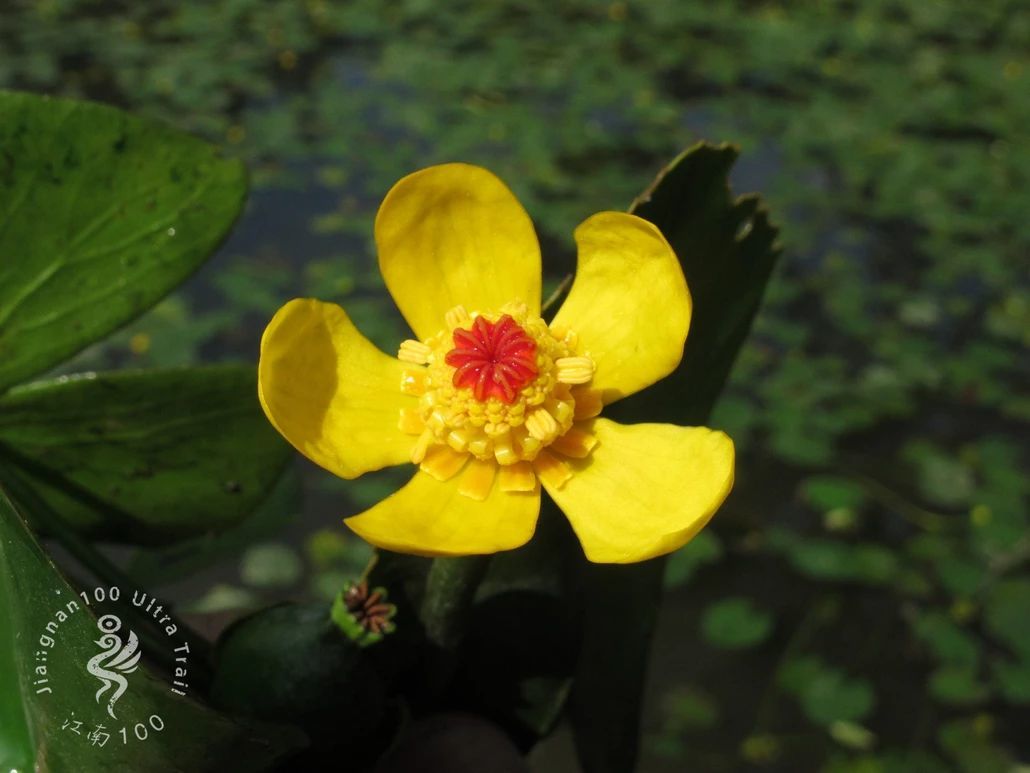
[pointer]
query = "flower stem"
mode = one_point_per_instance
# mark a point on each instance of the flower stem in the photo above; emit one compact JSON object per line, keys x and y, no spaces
{"x":450,"y":589}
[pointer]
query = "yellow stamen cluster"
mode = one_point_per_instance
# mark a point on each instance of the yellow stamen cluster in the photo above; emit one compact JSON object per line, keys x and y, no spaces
{"x":507,"y":441}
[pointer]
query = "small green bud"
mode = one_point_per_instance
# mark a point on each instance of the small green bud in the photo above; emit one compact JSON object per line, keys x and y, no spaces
{"x":363,"y":616}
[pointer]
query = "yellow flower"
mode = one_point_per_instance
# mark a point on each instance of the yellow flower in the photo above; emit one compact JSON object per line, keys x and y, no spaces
{"x":488,"y":399}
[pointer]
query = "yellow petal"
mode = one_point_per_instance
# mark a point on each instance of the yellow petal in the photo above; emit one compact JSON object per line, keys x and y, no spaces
{"x":629,"y":305}
{"x":646,"y":489}
{"x":432,"y":518}
{"x":330,"y":392}
{"x":455,"y":235}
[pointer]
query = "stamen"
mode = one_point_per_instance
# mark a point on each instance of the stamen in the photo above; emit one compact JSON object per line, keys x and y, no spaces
{"x":457,"y":317}
{"x":410,"y":422}
{"x":575,"y":443}
{"x":529,"y":446}
{"x":481,"y":448}
{"x":552,"y":471}
{"x":413,"y":383}
{"x":478,"y":479}
{"x":458,"y":440}
{"x":418,"y":451}
{"x":575,"y":370}
{"x":498,"y":388}
{"x":443,"y":463}
{"x":541,"y":424}
{"x":561,"y":411}
{"x":504,"y":453}
{"x":414,"y":352}
{"x":436,"y":421}
{"x":518,"y":477}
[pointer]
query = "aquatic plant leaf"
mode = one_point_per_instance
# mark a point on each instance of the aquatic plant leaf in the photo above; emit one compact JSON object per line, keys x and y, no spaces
{"x":43,"y":729}
{"x":145,"y":457}
{"x":101,"y":215}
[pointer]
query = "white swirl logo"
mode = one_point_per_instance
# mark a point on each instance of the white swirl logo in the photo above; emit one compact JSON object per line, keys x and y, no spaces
{"x":117,"y":658}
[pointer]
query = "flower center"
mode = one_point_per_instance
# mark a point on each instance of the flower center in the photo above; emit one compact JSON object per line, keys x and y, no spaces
{"x":493,"y":359}
{"x":499,"y":387}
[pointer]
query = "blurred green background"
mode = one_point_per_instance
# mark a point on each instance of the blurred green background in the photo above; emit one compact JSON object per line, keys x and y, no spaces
{"x":862,"y":602}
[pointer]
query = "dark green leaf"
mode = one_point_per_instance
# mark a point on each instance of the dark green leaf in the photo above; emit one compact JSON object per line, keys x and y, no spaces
{"x":101,"y":214}
{"x":170,"y":563}
{"x":146,"y":457}
{"x":32,"y":593}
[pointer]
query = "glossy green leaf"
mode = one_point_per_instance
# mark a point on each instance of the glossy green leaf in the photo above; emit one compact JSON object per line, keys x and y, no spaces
{"x":38,"y":730}
{"x":727,"y":248}
{"x":101,"y":214}
{"x":145,"y":456}
{"x":169,"y":563}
